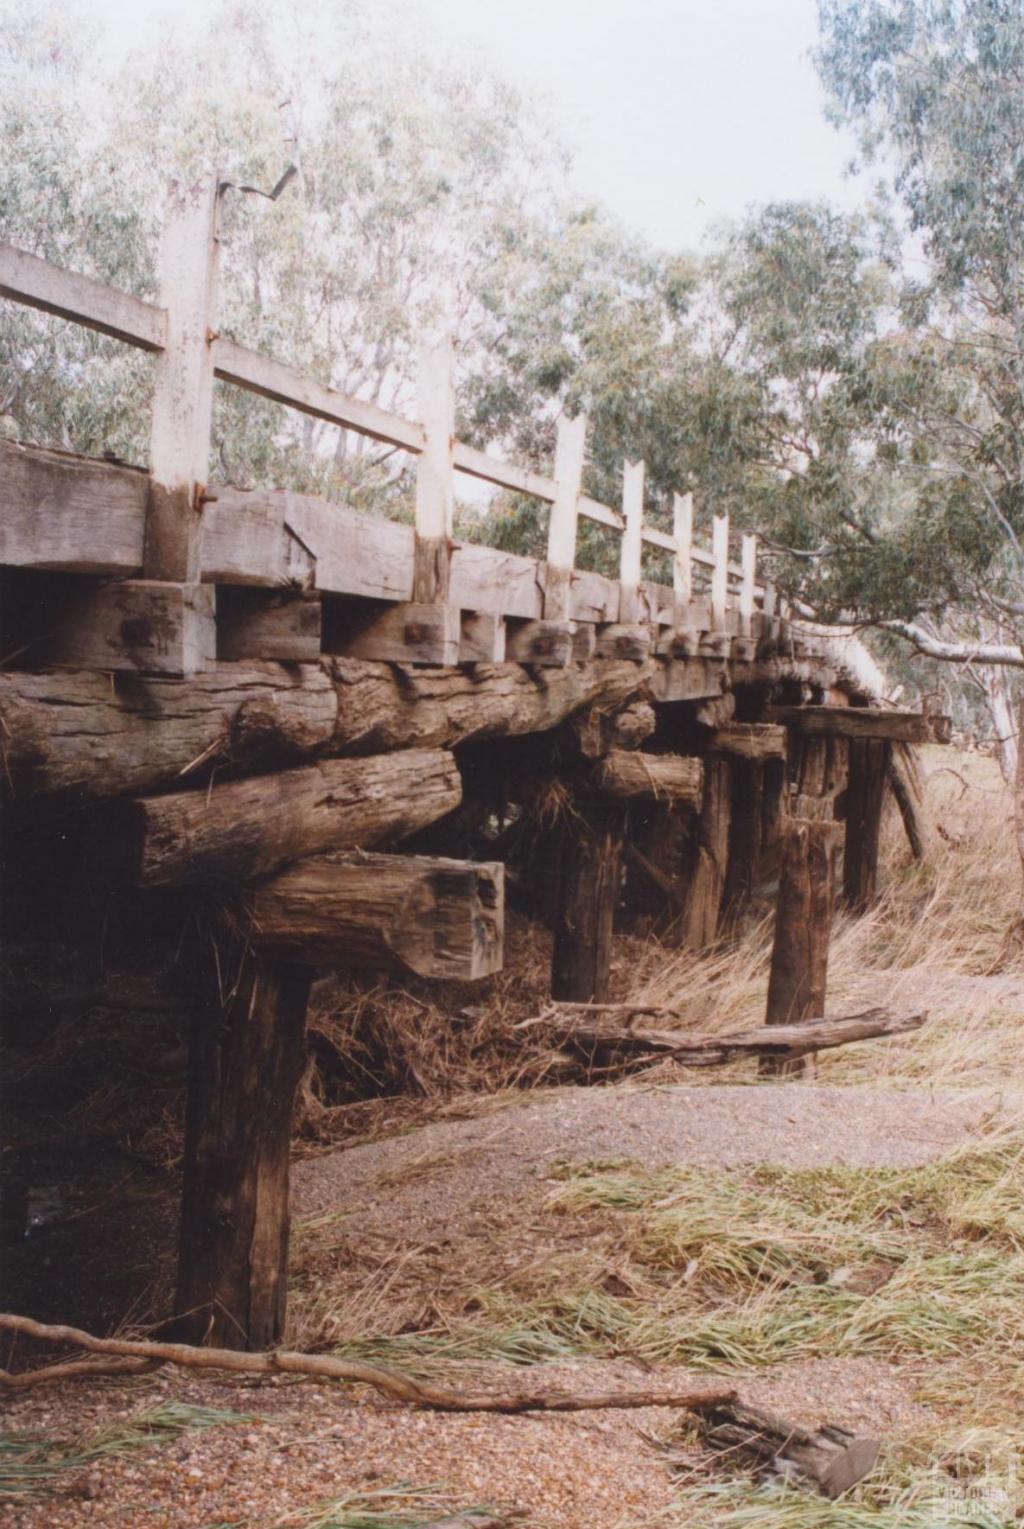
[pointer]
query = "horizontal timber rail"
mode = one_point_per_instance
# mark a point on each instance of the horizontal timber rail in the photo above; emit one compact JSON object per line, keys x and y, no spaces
{"x":70,"y":515}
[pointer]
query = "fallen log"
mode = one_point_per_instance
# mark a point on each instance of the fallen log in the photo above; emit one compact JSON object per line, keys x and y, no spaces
{"x":830,"y":1458}
{"x":438,"y":918}
{"x":251,"y":827}
{"x":394,"y":1384}
{"x":585,"y":1029}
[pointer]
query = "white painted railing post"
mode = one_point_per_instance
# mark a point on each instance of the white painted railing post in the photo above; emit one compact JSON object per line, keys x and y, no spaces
{"x":435,"y":496}
{"x":569,"y":454}
{"x":719,"y":572}
{"x":682,"y":560}
{"x":632,"y":540}
{"x":749,"y":563}
{"x":179,"y":451}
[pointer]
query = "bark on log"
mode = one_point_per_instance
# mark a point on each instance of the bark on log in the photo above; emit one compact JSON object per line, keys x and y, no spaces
{"x":706,"y":881}
{"x":381,"y":708}
{"x":392,"y":1383}
{"x":245,"y":1060}
{"x":869,"y":773}
{"x":588,"y":892}
{"x":438,"y":918}
{"x":831,"y":1458}
{"x":671,"y":777}
{"x":251,"y":827}
{"x":80,"y":737}
{"x":602,"y":1028}
{"x":803,"y":925}
{"x":86,"y":736}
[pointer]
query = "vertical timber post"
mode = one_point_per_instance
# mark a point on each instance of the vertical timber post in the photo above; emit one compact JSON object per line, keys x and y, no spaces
{"x":803,"y":926}
{"x":682,"y":562}
{"x":569,"y":453}
{"x":869,"y":761}
{"x":435,"y":496}
{"x":588,"y":893}
{"x":183,"y":384}
{"x":749,"y":563}
{"x":246,"y":1057}
{"x":706,"y":885}
{"x":719,"y":572}
{"x":746,"y":790}
{"x":632,"y":540}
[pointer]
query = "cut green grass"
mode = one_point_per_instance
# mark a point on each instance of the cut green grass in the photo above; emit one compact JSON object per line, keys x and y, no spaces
{"x":31,"y":1464}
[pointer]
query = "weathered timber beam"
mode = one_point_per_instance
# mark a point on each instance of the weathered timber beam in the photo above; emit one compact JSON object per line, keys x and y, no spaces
{"x":547,"y":643}
{"x":905,"y":784}
{"x":609,"y":1027}
{"x":412,"y":632}
{"x":862,"y":722}
{"x":589,"y":884}
{"x":84,"y":736}
{"x":625,"y":773}
{"x":748,"y":740}
{"x":246,"y":1054}
{"x":380,"y":707}
{"x":282,"y":625}
{"x":830,"y":1457}
{"x":41,"y":284}
{"x":438,"y":918}
{"x":803,"y":927}
{"x":865,"y":798}
{"x":68,"y":513}
{"x":138,"y":626}
{"x":250,"y":827}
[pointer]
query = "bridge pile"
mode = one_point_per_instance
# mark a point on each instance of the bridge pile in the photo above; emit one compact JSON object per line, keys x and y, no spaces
{"x":305,"y":718}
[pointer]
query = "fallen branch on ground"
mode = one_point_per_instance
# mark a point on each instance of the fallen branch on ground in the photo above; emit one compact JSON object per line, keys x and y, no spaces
{"x":582,"y":1026}
{"x":393,"y":1383}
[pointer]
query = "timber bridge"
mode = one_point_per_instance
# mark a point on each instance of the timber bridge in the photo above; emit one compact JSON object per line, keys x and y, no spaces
{"x":252,"y":698}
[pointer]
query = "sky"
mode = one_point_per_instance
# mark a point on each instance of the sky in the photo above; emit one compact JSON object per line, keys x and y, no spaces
{"x":680,"y":113}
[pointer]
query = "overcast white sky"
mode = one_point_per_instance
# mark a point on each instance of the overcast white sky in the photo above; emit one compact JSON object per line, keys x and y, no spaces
{"x":680,"y":112}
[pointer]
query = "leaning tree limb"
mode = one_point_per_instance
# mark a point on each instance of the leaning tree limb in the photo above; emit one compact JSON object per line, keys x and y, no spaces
{"x":395,"y":1384}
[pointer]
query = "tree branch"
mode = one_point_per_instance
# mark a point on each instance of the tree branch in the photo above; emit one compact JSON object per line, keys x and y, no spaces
{"x":395,"y":1384}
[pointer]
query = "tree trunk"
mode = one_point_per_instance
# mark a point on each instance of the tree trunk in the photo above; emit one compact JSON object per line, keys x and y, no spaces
{"x":869,"y":774}
{"x":588,"y":893}
{"x":246,"y":1056}
{"x":803,"y":924}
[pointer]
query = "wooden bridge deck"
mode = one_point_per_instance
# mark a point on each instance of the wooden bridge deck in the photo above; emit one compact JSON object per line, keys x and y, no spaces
{"x":262,"y":694}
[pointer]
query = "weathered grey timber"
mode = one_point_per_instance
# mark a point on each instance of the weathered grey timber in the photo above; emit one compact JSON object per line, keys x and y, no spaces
{"x":438,"y":918}
{"x":249,"y":827}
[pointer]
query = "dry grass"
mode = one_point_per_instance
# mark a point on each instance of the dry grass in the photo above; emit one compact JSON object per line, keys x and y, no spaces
{"x":943,"y":936}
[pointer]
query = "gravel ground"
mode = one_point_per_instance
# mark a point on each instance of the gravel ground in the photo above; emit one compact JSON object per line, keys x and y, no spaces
{"x":434,"y":1176}
{"x":308,"y":1445}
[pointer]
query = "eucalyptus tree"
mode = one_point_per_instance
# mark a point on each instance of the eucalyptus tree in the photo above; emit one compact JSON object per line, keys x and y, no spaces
{"x":936,"y":89}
